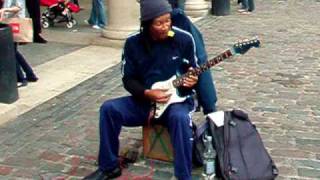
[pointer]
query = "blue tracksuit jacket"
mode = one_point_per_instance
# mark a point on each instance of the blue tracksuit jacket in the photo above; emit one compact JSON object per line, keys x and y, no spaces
{"x":206,"y":93}
{"x":163,"y":60}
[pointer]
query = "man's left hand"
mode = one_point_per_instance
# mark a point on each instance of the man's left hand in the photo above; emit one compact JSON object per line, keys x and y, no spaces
{"x":190,"y":81}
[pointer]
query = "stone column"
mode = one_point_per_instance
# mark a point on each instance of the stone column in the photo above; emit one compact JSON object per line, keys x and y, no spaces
{"x":123,"y":19}
{"x":196,"y":8}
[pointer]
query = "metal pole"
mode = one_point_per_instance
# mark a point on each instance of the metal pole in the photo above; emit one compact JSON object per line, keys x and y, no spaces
{"x":8,"y":75}
{"x":220,"y":7}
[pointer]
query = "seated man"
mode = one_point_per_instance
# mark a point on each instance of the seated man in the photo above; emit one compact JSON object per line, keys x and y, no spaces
{"x":158,"y":52}
{"x":155,"y":54}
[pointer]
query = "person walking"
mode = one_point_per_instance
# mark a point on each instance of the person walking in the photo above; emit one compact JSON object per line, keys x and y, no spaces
{"x":98,"y":15}
{"x":76,"y":2}
{"x":177,"y":4}
{"x":156,"y":53}
{"x":247,"y":6}
{"x":27,"y":75}
{"x":16,"y":8}
{"x":33,"y":8}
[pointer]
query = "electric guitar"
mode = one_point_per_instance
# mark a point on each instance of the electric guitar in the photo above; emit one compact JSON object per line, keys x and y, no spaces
{"x":174,"y":82}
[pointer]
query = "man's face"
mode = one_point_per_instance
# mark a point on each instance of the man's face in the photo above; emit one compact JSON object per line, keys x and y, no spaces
{"x":160,"y":27}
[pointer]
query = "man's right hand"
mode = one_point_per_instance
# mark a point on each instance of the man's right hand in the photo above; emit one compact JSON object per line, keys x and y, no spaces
{"x":157,"y":95}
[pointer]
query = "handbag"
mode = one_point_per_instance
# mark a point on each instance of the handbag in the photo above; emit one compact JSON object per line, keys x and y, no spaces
{"x":22,"y":29}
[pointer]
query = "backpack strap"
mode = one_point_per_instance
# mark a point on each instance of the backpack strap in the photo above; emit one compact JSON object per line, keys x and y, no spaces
{"x":240,"y":114}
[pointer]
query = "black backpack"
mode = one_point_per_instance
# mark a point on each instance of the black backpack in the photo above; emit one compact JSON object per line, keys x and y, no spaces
{"x":241,"y":154}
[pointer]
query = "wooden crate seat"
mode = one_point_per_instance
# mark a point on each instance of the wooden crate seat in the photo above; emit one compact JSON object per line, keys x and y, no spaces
{"x":157,"y":143}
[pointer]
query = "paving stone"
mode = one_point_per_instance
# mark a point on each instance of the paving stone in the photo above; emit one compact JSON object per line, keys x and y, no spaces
{"x":311,"y":173}
{"x":79,"y":171}
{"x":52,"y":156}
{"x":49,"y":176}
{"x":52,"y":50}
{"x":159,"y":175}
{"x":280,"y":177}
{"x":5,"y":170}
{"x":92,"y":150}
{"x":309,"y":164}
{"x":53,"y":167}
{"x":278,"y":145}
{"x":154,"y":165}
{"x":287,"y":171}
{"x":290,"y":153}
{"x":74,"y":178}
{"x":25,"y":173}
{"x":306,"y":135}
{"x":22,"y":162}
{"x":139,"y":171}
{"x":310,"y":148}
{"x":303,"y":142}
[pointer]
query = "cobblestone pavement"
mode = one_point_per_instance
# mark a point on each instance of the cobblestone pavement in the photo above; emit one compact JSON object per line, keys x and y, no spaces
{"x":277,"y":84}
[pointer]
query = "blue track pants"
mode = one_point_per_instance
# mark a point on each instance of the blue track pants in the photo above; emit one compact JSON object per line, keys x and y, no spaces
{"x":127,"y":111}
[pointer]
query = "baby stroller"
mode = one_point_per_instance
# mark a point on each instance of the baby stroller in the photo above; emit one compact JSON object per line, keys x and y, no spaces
{"x":58,"y":11}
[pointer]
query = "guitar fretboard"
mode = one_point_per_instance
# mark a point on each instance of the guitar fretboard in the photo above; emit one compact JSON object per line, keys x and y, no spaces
{"x":197,"y":71}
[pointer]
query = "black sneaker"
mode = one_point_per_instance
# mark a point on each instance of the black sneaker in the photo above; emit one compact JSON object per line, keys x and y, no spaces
{"x":32,"y":79}
{"x":39,"y":39}
{"x":104,"y":175}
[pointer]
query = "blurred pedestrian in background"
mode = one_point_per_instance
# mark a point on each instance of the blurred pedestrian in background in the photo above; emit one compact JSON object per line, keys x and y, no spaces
{"x":33,"y":8}
{"x":247,"y":6}
{"x":177,"y":3}
{"x":16,"y":8}
{"x":98,"y":15}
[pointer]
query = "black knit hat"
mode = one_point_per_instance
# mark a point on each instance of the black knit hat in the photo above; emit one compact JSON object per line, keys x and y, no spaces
{"x":150,"y":9}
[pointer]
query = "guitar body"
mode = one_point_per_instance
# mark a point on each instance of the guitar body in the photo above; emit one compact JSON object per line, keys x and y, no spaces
{"x":175,"y":98}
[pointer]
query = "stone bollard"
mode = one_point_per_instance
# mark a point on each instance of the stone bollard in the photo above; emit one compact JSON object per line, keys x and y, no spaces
{"x":8,"y":75}
{"x":123,"y":19}
{"x":220,"y":7}
{"x":196,"y":8}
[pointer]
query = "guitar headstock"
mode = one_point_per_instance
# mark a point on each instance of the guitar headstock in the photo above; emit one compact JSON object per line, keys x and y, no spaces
{"x":243,"y":46}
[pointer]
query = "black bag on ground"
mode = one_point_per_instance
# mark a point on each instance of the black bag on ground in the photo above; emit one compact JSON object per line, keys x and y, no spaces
{"x":241,"y":154}
{"x":240,"y":150}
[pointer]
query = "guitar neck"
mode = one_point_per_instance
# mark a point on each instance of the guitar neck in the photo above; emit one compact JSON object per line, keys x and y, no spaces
{"x":198,"y":70}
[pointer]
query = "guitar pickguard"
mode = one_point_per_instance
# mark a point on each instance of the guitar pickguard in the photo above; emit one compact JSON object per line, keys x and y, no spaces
{"x":175,"y":98}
